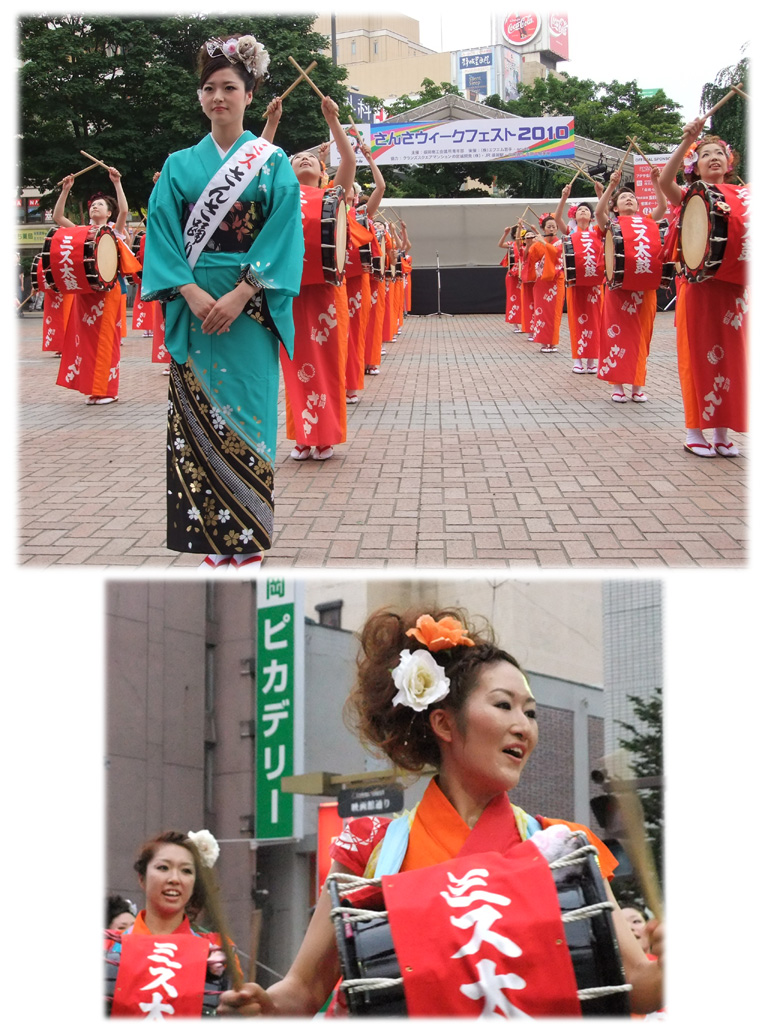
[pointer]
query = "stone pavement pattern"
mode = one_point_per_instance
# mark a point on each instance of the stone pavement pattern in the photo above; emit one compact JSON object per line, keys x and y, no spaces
{"x":470,"y":449}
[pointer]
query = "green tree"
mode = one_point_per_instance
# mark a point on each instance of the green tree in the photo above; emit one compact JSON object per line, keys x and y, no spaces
{"x":730,"y":121}
{"x":643,"y":740}
{"x":124,"y":90}
{"x":602,"y":111}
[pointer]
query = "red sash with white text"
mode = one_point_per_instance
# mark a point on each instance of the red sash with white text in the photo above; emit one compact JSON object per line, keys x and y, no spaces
{"x":161,"y":976}
{"x":490,"y":939}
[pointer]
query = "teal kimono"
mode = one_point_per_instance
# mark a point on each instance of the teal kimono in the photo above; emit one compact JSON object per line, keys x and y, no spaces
{"x":222,"y":414}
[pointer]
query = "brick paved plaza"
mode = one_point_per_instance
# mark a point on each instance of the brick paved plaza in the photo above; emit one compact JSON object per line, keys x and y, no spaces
{"x":470,"y":449}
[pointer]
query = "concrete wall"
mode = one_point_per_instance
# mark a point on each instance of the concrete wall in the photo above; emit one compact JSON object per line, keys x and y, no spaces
{"x":554,"y":628}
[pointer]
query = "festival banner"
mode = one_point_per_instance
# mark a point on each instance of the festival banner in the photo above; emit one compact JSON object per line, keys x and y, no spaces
{"x":644,"y":191}
{"x":279,"y":704}
{"x":423,"y":142}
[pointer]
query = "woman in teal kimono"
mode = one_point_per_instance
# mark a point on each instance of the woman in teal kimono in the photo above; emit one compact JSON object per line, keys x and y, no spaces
{"x":223,"y":252}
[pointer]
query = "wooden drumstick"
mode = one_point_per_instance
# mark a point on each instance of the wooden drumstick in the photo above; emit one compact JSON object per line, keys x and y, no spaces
{"x":634,"y":839}
{"x":305,"y":75}
{"x":358,"y":136}
{"x":620,"y":168}
{"x":78,"y":173}
{"x":299,"y":79}
{"x":293,"y":85}
{"x":579,"y":170}
{"x":95,"y":160}
{"x":740,"y":91}
{"x":728,"y":96}
{"x":584,"y":173}
{"x":642,"y":154}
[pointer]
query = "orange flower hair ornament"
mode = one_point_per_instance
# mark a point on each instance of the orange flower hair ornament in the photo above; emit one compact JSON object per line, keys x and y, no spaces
{"x":439,"y":636}
{"x":419,"y":680}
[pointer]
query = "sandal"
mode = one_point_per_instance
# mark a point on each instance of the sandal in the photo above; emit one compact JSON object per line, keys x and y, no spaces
{"x":618,"y":396}
{"x":706,"y":452}
{"x":728,"y":451}
{"x":301,"y":452}
{"x":639,"y":396}
{"x":323,"y":452}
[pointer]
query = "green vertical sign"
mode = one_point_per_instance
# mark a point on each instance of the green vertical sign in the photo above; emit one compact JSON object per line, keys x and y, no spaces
{"x":276,"y":705}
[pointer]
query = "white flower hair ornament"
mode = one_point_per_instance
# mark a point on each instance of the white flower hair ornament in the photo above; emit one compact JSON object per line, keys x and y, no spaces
{"x":246,"y":50}
{"x":206,"y":845}
{"x":419,"y":680}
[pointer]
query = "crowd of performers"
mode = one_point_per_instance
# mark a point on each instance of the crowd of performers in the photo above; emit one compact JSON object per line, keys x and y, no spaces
{"x":243,"y":272}
{"x":612,"y":303}
{"x":252,"y":263}
{"x":501,"y":896}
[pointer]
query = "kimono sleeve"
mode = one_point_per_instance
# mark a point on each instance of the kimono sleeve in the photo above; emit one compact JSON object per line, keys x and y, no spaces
{"x":166,"y":267}
{"x":356,"y":843}
{"x":275,"y":260}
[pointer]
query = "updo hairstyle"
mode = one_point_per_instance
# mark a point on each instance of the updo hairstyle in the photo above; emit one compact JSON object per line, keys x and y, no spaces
{"x":207,"y":65}
{"x":405,"y":735}
{"x":203,"y":879}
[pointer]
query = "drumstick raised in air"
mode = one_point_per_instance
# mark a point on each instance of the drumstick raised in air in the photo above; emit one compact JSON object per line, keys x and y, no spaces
{"x":300,"y":78}
{"x":358,"y":136}
{"x":740,"y":91}
{"x":642,"y":154}
{"x":78,"y":173}
{"x":583,"y":172}
{"x":95,"y":159}
{"x":728,"y":96}
{"x":634,"y":838}
{"x":303,"y":74}
{"x":579,"y":170}
{"x":620,"y":168}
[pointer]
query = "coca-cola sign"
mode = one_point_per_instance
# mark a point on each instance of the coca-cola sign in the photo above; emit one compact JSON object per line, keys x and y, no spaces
{"x":558,"y":34}
{"x":521,"y":29}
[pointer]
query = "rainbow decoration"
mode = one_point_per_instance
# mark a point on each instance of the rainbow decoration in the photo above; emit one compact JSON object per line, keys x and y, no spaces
{"x":479,"y":140}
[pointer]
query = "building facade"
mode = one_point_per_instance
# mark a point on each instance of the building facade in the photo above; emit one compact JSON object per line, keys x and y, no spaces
{"x":385,"y":58}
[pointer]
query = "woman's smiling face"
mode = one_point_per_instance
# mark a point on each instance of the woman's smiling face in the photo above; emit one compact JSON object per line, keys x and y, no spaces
{"x":170,"y":880}
{"x":497,"y":730}
{"x":712,"y":164}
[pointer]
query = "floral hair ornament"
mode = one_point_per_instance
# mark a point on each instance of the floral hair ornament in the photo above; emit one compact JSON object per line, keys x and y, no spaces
{"x":246,"y":50}
{"x":419,"y":680}
{"x":206,"y":845}
{"x":438,"y":636}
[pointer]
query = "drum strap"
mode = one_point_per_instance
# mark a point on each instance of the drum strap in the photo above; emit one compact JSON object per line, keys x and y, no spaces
{"x":221,"y":192}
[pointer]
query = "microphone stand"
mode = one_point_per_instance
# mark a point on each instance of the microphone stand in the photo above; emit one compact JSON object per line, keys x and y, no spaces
{"x":439,"y":311}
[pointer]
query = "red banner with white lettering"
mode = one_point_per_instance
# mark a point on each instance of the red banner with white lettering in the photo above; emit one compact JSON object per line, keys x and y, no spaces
{"x":161,"y":976}
{"x":489,"y":941}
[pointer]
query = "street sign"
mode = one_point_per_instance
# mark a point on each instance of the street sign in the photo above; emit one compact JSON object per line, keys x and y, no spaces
{"x":357,"y":803}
